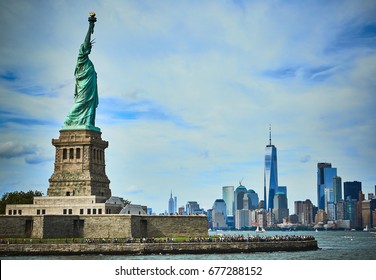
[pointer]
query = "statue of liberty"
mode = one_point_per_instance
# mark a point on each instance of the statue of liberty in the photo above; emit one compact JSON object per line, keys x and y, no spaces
{"x":82,"y":114}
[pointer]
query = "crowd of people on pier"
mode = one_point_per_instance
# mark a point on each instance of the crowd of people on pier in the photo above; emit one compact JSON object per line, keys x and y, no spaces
{"x":224,"y":238}
{"x":215,"y":238}
{"x":262,"y":238}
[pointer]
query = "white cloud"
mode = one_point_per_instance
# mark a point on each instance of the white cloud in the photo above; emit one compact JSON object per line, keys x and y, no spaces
{"x":11,"y":149}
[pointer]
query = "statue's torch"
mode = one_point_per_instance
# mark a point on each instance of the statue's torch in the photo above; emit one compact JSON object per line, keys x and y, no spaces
{"x":92,"y":19}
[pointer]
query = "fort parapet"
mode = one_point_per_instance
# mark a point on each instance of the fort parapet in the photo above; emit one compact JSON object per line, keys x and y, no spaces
{"x":102,"y":226}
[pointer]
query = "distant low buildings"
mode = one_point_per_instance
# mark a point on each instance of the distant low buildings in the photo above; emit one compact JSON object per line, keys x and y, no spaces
{"x":193,"y":208}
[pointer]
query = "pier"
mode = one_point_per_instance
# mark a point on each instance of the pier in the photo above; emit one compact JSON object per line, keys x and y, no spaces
{"x":157,"y":248}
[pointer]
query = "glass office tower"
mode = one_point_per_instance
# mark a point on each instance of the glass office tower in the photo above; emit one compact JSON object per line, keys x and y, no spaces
{"x":270,"y":174}
{"x":239,"y":197}
{"x":337,"y":188}
{"x":325,"y":175}
{"x":280,"y":210}
{"x":253,"y":199}
{"x":352,"y":189}
{"x":228,"y":197}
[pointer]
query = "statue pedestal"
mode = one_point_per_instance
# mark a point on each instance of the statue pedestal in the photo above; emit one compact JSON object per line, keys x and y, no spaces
{"x":79,"y":164}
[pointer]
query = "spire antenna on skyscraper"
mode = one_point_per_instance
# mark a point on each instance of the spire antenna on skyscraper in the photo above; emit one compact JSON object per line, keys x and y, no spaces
{"x":270,"y":134}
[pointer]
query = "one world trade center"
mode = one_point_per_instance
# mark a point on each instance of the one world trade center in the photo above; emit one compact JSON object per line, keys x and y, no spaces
{"x":270,"y":174}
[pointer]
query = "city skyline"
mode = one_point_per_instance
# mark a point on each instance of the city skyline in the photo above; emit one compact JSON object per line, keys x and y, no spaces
{"x":186,"y":98}
{"x":230,"y":193}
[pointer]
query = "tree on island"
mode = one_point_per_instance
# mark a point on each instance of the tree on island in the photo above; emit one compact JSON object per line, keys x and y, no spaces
{"x":125,"y":201}
{"x":17,"y":197}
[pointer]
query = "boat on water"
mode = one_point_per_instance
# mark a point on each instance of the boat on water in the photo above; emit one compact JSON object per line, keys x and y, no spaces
{"x":258,"y":230}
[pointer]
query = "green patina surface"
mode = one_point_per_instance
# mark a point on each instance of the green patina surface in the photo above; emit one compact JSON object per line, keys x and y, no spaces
{"x":80,"y":127}
{"x":82,"y":114}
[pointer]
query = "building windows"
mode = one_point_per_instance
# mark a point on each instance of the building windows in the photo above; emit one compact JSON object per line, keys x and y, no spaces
{"x":94,"y":211}
{"x":81,"y":211}
{"x":88,"y":211}
{"x":14,"y":212}
{"x":72,"y":153}
{"x":70,"y":211}
{"x":98,"y":155}
{"x":43,"y":211}
{"x":100,"y":211}
{"x":38,"y":211}
{"x":64,"y":211}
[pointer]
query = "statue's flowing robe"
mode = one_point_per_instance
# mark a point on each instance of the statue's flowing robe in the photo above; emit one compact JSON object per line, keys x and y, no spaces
{"x":86,"y":91}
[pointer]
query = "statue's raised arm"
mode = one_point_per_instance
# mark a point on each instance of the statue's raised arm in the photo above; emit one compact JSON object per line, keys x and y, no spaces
{"x":92,"y":19}
{"x":82,"y":114}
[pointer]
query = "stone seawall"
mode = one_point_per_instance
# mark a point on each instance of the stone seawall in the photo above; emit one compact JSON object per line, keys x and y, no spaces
{"x":102,"y":226}
{"x":156,"y":248}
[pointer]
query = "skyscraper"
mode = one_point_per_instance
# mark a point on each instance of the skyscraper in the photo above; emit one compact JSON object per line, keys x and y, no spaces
{"x":304,"y":211}
{"x":171,"y":205}
{"x":352,"y":189}
{"x":337,"y":189}
{"x":219,"y":214}
{"x":282,"y":189}
{"x":228,"y":197}
{"x":239,"y":196}
{"x":253,"y":199}
{"x":308,"y":212}
{"x":243,"y":215}
{"x":280,"y":209}
{"x":325,"y":175}
{"x":270,"y":173}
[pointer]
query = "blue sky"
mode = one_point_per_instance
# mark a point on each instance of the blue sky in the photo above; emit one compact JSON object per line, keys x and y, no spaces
{"x":187,"y":92}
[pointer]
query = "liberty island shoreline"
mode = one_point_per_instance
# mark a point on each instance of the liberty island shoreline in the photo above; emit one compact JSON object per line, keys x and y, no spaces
{"x":333,"y":245}
{"x":224,"y":244}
